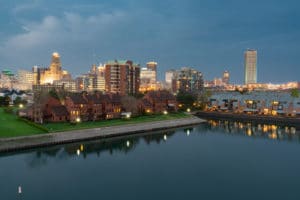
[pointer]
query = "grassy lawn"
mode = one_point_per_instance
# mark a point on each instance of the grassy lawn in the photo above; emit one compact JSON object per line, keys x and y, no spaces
{"x":56,"y":127}
{"x":11,"y":126}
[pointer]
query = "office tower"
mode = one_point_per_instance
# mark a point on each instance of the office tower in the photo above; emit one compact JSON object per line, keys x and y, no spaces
{"x":225,"y":78}
{"x":25,"y":79}
{"x":170,"y":75}
{"x":250,"y":66}
{"x":152,"y":66}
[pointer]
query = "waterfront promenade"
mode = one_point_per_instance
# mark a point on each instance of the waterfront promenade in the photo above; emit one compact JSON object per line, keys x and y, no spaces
{"x":42,"y":140}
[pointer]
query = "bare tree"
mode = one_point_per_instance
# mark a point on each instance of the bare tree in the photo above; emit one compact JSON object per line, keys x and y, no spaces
{"x":130,"y":104}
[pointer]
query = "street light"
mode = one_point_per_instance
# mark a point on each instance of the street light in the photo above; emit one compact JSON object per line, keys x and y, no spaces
{"x":78,"y":119}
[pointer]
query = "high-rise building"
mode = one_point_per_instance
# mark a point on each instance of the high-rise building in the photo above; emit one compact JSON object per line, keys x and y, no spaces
{"x":250,"y":66}
{"x":93,"y":81}
{"x":190,"y":80}
{"x":152,"y":66}
{"x":170,"y":75}
{"x":50,"y":74}
{"x":225,"y":78}
{"x":186,"y":79}
{"x":7,"y":79}
{"x":25,"y":79}
{"x":147,"y":76}
{"x":122,"y":77}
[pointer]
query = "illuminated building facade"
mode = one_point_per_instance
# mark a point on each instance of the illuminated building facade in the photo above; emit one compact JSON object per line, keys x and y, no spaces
{"x":186,"y":79}
{"x":7,"y":78}
{"x":48,"y":75}
{"x":225,"y":78}
{"x":25,"y":80}
{"x":250,"y":66}
{"x":68,"y":85}
{"x":152,"y":66}
{"x":122,"y":77}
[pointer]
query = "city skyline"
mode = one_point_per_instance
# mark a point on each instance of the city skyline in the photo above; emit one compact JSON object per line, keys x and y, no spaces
{"x":209,"y":36}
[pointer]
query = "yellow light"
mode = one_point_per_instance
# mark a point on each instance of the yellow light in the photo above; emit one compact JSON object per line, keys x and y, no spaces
{"x":81,"y":147}
{"x":165,"y":112}
{"x":78,"y":119}
{"x":249,"y":132}
{"x":274,"y":112}
{"x":188,"y":110}
{"x":274,"y":127}
{"x":265,"y":128}
{"x":21,"y":106}
{"x":273,"y":136}
{"x":148,"y":111}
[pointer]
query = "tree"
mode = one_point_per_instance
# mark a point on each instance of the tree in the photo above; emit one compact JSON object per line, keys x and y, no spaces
{"x":295,"y":93}
{"x":130,"y":104}
{"x":4,"y":101}
{"x":187,"y":99}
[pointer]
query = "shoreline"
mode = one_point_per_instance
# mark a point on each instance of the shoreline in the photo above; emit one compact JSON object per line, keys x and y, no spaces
{"x":57,"y":138}
{"x":262,"y":119}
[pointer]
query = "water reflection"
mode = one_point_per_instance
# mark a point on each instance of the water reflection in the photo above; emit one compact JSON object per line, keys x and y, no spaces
{"x":272,"y":131}
{"x":41,"y":157}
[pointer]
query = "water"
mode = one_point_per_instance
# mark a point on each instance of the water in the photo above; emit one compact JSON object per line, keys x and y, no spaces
{"x":217,"y":160}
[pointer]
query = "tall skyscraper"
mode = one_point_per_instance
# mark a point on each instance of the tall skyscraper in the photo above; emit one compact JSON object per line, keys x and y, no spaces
{"x":250,"y":66}
{"x":225,"y":78}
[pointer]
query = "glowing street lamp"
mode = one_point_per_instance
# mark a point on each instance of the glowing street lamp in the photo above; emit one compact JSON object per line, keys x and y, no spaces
{"x":165,"y":112}
{"x":188,"y":110}
{"x":78,"y":120}
{"x":21,"y":106}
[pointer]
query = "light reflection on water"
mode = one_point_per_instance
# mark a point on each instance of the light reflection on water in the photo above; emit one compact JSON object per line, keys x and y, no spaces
{"x":270,"y":131}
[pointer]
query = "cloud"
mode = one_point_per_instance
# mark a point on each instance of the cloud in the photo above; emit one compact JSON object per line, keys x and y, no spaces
{"x":71,"y":32}
{"x":25,"y":7}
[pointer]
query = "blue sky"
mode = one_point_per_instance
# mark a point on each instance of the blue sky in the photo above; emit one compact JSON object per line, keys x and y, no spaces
{"x":209,"y":35}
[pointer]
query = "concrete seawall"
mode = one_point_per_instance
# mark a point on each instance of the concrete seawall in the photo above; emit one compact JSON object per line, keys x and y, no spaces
{"x":44,"y":140}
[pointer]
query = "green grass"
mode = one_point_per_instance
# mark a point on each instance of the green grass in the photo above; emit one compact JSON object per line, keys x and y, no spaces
{"x":66,"y":126}
{"x":12,"y":126}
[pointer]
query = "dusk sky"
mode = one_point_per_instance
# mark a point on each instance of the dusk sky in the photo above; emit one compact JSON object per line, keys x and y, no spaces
{"x":208,"y":35}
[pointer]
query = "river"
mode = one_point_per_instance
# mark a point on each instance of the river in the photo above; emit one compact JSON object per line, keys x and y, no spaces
{"x":215,"y":160}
